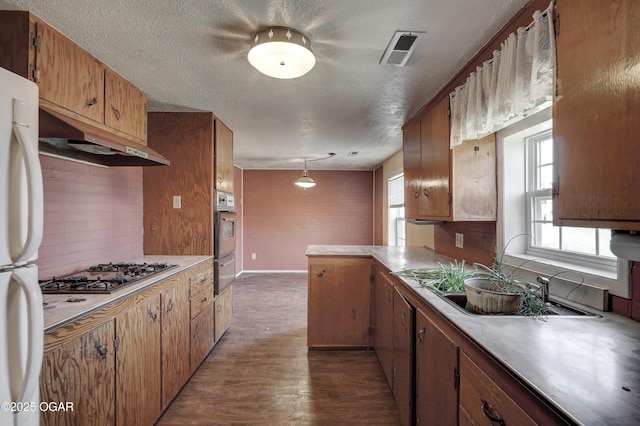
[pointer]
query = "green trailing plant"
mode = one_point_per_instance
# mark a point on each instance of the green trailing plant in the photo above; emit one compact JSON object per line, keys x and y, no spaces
{"x":444,"y":279}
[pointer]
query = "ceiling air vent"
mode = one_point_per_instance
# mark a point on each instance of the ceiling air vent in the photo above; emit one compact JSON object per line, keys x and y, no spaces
{"x":401,"y":47}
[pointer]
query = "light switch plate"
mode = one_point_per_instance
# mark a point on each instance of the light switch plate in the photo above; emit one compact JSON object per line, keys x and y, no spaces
{"x":177,"y":202}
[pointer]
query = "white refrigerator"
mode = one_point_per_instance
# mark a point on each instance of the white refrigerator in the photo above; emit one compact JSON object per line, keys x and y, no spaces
{"x":21,"y":217}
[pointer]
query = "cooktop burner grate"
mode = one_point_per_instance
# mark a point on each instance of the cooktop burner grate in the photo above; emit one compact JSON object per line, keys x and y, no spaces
{"x":103,"y":278}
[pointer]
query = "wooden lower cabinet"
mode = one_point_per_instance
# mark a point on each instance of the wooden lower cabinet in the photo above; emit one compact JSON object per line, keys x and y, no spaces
{"x":81,"y":371}
{"x":483,"y":402}
{"x":339,"y":306}
{"x":202,"y":336}
{"x":128,"y":368}
{"x":138,"y":370}
{"x":436,"y":374}
{"x":403,"y":357}
{"x":175,"y":337}
{"x":223,"y":305}
{"x":383,"y":322}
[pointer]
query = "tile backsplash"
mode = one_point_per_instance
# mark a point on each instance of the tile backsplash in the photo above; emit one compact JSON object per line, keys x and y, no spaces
{"x":92,"y":215}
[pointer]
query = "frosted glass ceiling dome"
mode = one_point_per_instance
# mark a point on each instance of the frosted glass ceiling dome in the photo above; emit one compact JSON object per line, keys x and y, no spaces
{"x":281,"y":52}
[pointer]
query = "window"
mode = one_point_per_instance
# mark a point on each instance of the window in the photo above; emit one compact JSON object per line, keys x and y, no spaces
{"x":578,"y":244}
{"x":395,"y":218}
{"x":525,"y":230}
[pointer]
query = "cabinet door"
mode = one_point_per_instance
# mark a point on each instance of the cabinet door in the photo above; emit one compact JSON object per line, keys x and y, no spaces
{"x":595,"y":115}
{"x":176,"y":343}
{"x":436,"y":372}
{"x":474,"y":180}
{"x":383,"y":323}
{"x":483,"y":402}
{"x":69,"y":76}
{"x":435,"y":157}
{"x":125,"y":106}
{"x":412,"y":167}
{"x":138,"y":364}
{"x":339,"y":305}
{"x":202,"y":336}
{"x":81,"y":371}
{"x":403,"y":358}
{"x":224,"y":157}
{"x":223,"y":305}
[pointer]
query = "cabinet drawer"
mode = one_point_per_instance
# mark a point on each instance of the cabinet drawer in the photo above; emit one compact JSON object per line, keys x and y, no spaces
{"x":483,"y":402}
{"x":201,"y":276}
{"x":200,"y":299}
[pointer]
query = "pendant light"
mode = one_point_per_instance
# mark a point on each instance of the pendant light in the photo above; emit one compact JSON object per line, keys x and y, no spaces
{"x":305,"y":181}
{"x":282,"y":52}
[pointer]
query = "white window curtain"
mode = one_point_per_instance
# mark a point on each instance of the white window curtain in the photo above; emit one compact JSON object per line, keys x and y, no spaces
{"x":517,"y":80}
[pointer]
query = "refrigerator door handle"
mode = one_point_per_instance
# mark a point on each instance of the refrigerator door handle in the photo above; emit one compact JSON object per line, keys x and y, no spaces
{"x":34,"y":185}
{"x":33,"y":295}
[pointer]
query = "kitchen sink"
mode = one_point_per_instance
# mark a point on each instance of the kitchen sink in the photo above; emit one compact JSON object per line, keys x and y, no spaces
{"x":555,"y":308}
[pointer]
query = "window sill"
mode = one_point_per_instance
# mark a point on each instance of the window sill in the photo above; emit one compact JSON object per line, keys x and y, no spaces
{"x":573,"y":274}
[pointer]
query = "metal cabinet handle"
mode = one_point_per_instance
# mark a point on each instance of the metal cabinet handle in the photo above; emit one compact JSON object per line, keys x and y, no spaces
{"x":171,"y":306}
{"x":416,"y":194}
{"x":117,"y":112}
{"x":403,"y":320}
{"x":102,"y":350}
{"x":321,"y":274}
{"x":203,"y":300}
{"x":91,"y":103}
{"x":426,"y":192}
{"x":491,"y":413}
{"x":152,"y":315}
{"x":421,"y":334}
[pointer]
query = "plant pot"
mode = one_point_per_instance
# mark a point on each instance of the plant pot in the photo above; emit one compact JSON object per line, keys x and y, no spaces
{"x":484,"y":296}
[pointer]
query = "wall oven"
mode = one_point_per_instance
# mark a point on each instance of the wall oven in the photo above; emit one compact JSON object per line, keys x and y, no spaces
{"x":224,"y":248}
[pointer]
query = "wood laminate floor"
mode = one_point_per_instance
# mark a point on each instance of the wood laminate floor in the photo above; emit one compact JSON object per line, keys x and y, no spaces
{"x":260,"y":372}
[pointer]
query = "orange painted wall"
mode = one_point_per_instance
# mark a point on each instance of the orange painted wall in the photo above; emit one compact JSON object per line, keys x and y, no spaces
{"x":280,"y":219}
{"x":237,"y":190}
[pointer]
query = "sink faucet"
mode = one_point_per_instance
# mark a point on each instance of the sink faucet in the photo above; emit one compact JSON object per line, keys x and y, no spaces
{"x":544,"y":286}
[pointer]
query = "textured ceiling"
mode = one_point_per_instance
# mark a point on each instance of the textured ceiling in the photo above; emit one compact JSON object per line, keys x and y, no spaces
{"x":192,"y":54}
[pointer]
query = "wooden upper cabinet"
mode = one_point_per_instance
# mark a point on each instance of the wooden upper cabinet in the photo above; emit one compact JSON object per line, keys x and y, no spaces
{"x":473,"y":177}
{"x":426,"y":157}
{"x":71,"y":80}
{"x":435,"y":155}
{"x":412,"y":169}
{"x":595,"y":115}
{"x":199,"y":146}
{"x":447,"y":184}
{"x":125,"y":106}
{"x":67,"y":75}
{"x":223,"y":157}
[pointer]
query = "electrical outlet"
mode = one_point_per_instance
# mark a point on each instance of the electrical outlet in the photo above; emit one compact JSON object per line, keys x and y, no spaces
{"x":177,"y":202}
{"x":459,"y":240}
{"x":253,"y":256}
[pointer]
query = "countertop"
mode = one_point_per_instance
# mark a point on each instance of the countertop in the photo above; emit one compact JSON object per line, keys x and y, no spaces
{"x":587,"y":367}
{"x":58,"y":311}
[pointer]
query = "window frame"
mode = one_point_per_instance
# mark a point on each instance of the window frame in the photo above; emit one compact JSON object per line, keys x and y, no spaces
{"x":512,"y":210}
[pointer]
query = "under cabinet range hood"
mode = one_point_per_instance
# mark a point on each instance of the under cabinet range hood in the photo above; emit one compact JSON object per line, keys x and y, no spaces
{"x":67,"y":137}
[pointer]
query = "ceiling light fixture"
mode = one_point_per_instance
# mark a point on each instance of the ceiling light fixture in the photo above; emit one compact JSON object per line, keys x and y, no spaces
{"x":305,"y":181}
{"x":281,"y":52}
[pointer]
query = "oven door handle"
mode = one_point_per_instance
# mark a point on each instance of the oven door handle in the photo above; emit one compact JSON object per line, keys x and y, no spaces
{"x":224,"y":265}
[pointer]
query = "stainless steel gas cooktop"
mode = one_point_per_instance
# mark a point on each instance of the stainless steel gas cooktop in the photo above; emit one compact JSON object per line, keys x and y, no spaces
{"x":103,"y":278}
